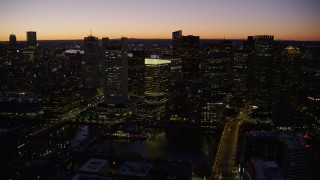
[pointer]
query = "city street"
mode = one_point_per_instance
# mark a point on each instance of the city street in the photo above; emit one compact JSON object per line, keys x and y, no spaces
{"x":224,"y":164}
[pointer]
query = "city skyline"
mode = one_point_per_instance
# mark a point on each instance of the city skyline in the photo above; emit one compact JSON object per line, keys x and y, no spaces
{"x":60,"y":20}
{"x":178,"y":108}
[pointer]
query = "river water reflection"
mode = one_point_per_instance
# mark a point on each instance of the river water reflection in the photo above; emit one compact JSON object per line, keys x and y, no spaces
{"x":172,"y":144}
{"x":169,"y":144}
{"x":185,"y":145}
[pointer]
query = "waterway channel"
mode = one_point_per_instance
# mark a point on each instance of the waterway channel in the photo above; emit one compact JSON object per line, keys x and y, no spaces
{"x":184,"y":145}
{"x":171,"y":144}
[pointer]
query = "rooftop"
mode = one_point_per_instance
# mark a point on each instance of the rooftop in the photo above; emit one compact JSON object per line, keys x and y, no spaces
{"x":266,"y":169}
{"x":19,"y":99}
{"x":137,"y":169}
{"x":295,"y":141}
{"x":73,"y":51}
{"x":291,"y":47}
{"x":292,"y":140}
{"x":155,"y":61}
{"x":88,"y":176}
{"x":119,"y":102}
{"x":94,"y":165}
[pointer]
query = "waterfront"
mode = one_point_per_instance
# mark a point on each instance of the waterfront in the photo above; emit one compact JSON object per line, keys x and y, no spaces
{"x":169,"y":144}
{"x":173,"y":145}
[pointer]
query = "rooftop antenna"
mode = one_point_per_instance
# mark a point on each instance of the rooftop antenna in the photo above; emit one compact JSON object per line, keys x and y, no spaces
{"x":90,"y":32}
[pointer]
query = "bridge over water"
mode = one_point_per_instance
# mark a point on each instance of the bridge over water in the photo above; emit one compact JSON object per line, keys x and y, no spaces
{"x":224,"y":166}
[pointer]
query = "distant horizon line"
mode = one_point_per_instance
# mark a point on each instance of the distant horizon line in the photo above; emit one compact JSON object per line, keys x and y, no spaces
{"x":239,"y":39}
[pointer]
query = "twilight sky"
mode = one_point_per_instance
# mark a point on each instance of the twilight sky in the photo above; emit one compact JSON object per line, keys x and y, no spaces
{"x":232,"y":19}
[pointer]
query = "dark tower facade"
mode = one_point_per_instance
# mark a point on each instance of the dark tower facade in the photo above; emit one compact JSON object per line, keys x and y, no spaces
{"x":263,"y":71}
{"x":31,"y":39}
{"x":136,"y":69}
{"x":13,"y":41}
{"x":115,"y":68}
{"x":90,"y":65}
{"x":187,"y":47}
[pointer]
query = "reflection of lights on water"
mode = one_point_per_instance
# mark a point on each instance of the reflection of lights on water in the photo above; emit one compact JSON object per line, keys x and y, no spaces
{"x":157,"y":139}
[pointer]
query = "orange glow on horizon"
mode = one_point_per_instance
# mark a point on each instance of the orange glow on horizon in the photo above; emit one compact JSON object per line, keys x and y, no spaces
{"x":142,"y":35}
{"x":152,"y":19}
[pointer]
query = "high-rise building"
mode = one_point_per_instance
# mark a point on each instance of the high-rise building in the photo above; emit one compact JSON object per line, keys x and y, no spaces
{"x":314,"y":158}
{"x":262,"y":170}
{"x":157,"y":75}
{"x":176,"y":34}
{"x":12,"y":52}
{"x":176,"y":40}
{"x":117,"y":105}
{"x":248,"y":46}
{"x":115,"y":68}
{"x":32,"y":39}
{"x":187,"y":47}
{"x":289,"y":75}
{"x":295,"y":156}
{"x":136,"y":73}
{"x":216,"y":68}
{"x":241,"y":73}
{"x":175,"y":65}
{"x":12,"y":41}
{"x":90,"y":65}
{"x":264,"y":72}
{"x":30,"y":53}
{"x":213,"y":110}
{"x":290,"y":150}
{"x":60,"y":98}
{"x":185,"y":100}
{"x":226,"y":47}
{"x":262,"y":144}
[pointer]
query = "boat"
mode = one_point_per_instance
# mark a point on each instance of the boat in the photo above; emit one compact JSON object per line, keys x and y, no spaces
{"x":126,"y":135}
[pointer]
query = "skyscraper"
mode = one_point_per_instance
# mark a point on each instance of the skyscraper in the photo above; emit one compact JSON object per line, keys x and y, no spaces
{"x":90,"y":65}
{"x":31,"y":39}
{"x":116,"y":106}
{"x":290,"y":74}
{"x":263,"y":71}
{"x":216,"y":67}
{"x":115,"y":68}
{"x":157,"y":75}
{"x":12,"y":41}
{"x":289,"y":149}
{"x":241,"y":73}
{"x":176,"y":40}
{"x":187,"y":47}
{"x":295,"y":154}
{"x":136,"y":73}
{"x":176,"y":34}
{"x":12,"y":51}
